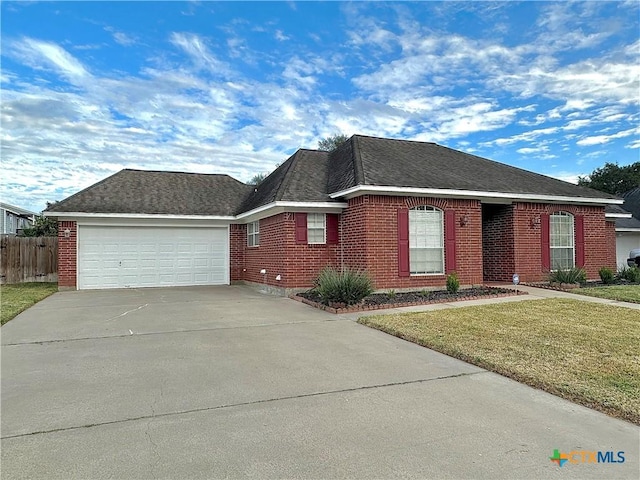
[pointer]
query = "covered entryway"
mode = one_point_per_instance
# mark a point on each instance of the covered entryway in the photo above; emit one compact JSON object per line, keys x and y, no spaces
{"x":124,"y":257}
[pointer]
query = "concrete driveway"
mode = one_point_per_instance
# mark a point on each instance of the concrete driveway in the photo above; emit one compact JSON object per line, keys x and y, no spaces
{"x":224,"y":382}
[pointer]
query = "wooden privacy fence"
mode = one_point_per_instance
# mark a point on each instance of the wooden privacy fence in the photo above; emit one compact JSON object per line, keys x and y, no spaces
{"x":28,"y":259}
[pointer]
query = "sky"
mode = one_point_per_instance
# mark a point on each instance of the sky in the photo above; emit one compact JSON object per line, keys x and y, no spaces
{"x":90,"y":88}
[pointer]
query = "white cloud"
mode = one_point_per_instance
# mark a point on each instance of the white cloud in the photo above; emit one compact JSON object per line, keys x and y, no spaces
{"x":601,"y":139}
{"x":37,"y":54}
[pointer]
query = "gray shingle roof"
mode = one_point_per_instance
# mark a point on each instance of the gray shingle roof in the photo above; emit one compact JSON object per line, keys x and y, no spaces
{"x":170,"y":193}
{"x":628,"y":223}
{"x":302,"y":178}
{"x":632,"y":201}
{"x":311,"y":176}
{"x":404,"y":163}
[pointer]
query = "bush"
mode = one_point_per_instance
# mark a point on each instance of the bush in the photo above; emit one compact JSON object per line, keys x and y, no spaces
{"x":453,"y":284}
{"x":629,"y":274}
{"x":348,"y":287}
{"x":606,"y":275}
{"x":573,"y":275}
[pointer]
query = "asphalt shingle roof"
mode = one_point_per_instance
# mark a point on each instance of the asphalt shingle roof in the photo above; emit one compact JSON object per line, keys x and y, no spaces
{"x":311,"y":176}
{"x":151,"y":192}
{"x":302,"y":178}
{"x":632,"y":201}
{"x":404,"y":163}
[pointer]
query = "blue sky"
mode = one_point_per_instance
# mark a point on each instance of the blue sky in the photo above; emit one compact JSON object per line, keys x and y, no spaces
{"x":89,"y":88}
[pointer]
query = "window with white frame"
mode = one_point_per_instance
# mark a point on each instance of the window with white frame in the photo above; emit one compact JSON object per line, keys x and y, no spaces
{"x":562,"y":241}
{"x":316,"y":228}
{"x":253,"y":234}
{"x":426,"y":241}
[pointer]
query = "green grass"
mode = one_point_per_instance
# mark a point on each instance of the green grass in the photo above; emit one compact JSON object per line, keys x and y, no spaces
{"x":584,"y":352}
{"x":622,"y":293}
{"x":15,"y":299}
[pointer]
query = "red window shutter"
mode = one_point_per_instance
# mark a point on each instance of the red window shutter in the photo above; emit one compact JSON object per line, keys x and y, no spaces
{"x":332,"y":228}
{"x":403,"y":242}
{"x":301,"y":228}
{"x":579,"y":230}
{"x":450,"y":240}
{"x":545,"y":242}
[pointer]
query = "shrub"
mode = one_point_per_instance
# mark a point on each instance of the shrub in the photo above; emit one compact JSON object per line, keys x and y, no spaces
{"x":453,"y":284}
{"x":391,"y":294}
{"x":606,"y":275}
{"x":348,"y":286}
{"x":573,"y":275}
{"x":629,"y":274}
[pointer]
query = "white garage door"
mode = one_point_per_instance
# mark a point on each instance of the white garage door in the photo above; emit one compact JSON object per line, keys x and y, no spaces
{"x":119,"y":257}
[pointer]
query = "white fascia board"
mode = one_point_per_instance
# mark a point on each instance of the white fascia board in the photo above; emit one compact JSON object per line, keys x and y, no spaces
{"x":470,"y":194}
{"x":617,"y":215}
{"x":275,"y":208}
{"x":264,"y":211}
{"x":633,"y":230}
{"x":76,"y":215}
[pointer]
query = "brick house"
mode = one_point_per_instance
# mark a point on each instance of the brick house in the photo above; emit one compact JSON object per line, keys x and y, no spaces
{"x":407,"y":212}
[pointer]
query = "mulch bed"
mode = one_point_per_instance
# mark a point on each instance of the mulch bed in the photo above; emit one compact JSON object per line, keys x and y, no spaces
{"x":378,"y":301}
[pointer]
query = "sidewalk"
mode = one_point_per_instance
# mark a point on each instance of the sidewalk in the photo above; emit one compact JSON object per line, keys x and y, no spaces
{"x":534,"y":293}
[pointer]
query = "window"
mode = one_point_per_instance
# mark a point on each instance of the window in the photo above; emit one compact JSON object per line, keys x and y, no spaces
{"x":426,"y":241}
{"x":316,"y":228}
{"x":562,"y":241}
{"x":253,"y":234}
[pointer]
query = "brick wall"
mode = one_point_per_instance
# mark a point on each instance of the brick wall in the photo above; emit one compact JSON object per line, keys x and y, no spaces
{"x":278,"y":254}
{"x":498,"y":260}
{"x":598,"y":240}
{"x":67,"y":255}
{"x":237,"y":245}
{"x":370,"y":233}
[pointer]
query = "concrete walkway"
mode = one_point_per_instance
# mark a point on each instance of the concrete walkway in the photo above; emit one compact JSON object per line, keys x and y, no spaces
{"x":223,"y":382}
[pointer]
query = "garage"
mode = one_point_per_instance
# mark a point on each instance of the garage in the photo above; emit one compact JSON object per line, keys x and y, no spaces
{"x":130,"y":257}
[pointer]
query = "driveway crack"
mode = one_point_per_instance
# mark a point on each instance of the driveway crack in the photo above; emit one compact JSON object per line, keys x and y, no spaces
{"x":254,"y":402}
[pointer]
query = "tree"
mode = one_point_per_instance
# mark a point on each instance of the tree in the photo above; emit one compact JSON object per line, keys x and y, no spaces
{"x":42,"y":227}
{"x":330,"y":143}
{"x":613,"y":179}
{"x":257,"y":178}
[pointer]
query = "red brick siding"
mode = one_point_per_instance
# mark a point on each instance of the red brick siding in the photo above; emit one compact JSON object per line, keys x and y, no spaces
{"x":527,"y":239}
{"x":498,"y":260}
{"x":67,"y":254}
{"x":370,"y":233}
{"x":237,"y":244}
{"x":297,"y":264}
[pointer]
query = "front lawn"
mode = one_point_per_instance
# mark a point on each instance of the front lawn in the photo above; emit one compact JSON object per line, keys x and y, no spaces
{"x":15,"y":299}
{"x":622,"y":293}
{"x":585,"y":352}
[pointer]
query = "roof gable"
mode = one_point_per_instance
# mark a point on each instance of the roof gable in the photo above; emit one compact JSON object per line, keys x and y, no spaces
{"x":302,"y":178}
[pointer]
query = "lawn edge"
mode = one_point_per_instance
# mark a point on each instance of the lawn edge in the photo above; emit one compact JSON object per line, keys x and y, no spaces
{"x":27,"y":307}
{"x":505,"y":372}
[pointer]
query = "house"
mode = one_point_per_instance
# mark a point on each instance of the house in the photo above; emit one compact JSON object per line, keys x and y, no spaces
{"x":14,"y":218}
{"x":407,"y":212}
{"x":627,"y":218}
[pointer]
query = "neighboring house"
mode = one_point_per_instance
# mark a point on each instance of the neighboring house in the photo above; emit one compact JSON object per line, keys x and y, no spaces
{"x":408,"y":213}
{"x":14,"y":218}
{"x":627,"y":220}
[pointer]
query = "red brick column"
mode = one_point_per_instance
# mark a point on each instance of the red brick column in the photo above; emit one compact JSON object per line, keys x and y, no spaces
{"x":67,"y":255}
